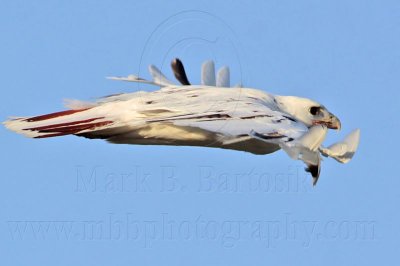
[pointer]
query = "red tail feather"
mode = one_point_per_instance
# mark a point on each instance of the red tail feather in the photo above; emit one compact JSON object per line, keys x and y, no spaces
{"x":67,"y":130}
{"x":54,"y":115}
{"x":55,"y":126}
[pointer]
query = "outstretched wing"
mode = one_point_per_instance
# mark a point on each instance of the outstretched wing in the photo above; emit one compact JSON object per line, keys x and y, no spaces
{"x":229,"y":118}
{"x":203,"y":115}
{"x":238,"y":119}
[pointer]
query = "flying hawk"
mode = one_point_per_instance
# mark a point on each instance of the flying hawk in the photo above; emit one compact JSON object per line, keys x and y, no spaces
{"x":212,"y":114}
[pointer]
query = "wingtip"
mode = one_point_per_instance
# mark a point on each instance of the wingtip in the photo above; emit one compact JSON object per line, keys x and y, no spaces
{"x":223,"y":77}
{"x":176,"y":60}
{"x":343,"y":151}
{"x":179,"y":71}
{"x":355,"y":135}
{"x":315,"y":171}
{"x":208,"y":63}
{"x":352,"y":141}
{"x":208,"y":73}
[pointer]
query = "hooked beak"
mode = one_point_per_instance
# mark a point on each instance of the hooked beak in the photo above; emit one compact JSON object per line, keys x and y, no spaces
{"x":332,"y":122}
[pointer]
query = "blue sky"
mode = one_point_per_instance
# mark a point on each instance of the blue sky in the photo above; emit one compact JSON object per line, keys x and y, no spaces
{"x":73,"y":201}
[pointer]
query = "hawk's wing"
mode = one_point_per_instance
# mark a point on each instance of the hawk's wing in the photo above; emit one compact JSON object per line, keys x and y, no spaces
{"x":239,"y":119}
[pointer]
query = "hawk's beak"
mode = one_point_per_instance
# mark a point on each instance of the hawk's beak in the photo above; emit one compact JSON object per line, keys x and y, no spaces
{"x":332,"y":122}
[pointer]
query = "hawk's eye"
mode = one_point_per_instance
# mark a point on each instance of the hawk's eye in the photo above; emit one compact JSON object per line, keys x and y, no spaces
{"x":314,"y":110}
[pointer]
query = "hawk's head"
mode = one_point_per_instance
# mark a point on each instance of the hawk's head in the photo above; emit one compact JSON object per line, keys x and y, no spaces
{"x":307,"y":111}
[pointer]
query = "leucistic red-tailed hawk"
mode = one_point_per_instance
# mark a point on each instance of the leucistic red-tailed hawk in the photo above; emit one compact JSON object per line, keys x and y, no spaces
{"x":211,"y":115}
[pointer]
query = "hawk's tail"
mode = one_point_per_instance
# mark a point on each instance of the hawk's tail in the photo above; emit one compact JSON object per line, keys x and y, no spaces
{"x":59,"y":123}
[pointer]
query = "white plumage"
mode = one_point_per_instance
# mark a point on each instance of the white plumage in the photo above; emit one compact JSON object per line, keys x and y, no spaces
{"x":200,"y":115}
